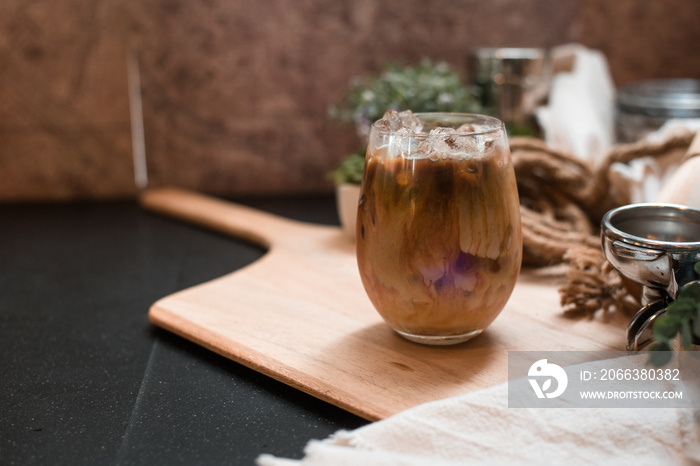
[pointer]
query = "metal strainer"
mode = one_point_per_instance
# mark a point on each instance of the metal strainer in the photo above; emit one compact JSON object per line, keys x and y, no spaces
{"x":655,"y":245}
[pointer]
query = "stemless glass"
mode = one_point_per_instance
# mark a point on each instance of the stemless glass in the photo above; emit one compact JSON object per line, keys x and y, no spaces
{"x":439,"y":241}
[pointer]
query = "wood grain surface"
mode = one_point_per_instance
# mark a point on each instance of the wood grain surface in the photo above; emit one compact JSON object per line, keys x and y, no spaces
{"x":300,"y":315}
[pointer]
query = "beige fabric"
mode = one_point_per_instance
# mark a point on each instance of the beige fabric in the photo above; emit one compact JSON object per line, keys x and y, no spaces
{"x":479,"y":429}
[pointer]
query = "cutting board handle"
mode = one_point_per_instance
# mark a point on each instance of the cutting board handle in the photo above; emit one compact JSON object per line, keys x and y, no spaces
{"x":261,"y":228}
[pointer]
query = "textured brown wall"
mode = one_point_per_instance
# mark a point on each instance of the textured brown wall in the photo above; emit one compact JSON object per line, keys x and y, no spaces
{"x":235,"y":94}
{"x":64,"y":122}
{"x":644,"y":39}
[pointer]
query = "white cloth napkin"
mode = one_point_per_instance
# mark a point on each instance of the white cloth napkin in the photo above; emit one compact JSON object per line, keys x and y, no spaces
{"x":580,"y":113}
{"x":644,"y":177}
{"x":579,"y":117}
{"x":480,"y":429}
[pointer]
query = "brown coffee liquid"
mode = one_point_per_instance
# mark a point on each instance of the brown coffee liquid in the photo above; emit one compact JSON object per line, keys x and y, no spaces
{"x":439,"y":241}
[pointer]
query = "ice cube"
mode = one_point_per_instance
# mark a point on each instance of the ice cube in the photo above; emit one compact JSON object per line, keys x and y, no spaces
{"x":401,"y":142}
{"x":439,"y":137}
{"x":423,"y":149}
{"x":410,"y":121}
{"x":464,"y":145}
{"x":394,"y":121}
{"x":391,"y":121}
{"x":452,"y":143}
{"x":436,"y":155}
{"x":442,"y":132}
{"x":466,"y":128}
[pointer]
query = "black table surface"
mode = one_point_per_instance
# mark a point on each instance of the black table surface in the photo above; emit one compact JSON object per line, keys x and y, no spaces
{"x":86,"y":379}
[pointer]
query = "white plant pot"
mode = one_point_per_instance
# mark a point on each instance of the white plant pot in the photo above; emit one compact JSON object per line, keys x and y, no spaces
{"x":347,"y":198}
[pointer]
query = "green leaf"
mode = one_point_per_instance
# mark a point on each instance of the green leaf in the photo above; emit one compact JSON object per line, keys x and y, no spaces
{"x":682,"y":308}
{"x":682,"y":315}
{"x":349,"y":170}
{"x":665,"y":327}
{"x":659,"y":354}
{"x":691,"y":292}
{"x":686,"y":334}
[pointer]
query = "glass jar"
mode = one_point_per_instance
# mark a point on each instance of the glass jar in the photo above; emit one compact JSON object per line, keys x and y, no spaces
{"x":644,"y":107}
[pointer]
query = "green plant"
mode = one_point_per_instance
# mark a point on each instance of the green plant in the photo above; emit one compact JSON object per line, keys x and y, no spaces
{"x":349,"y":170}
{"x":682,"y":318}
{"x":425,"y":87}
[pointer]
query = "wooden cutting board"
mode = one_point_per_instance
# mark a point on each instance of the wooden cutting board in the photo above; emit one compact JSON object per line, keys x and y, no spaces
{"x":300,"y":315}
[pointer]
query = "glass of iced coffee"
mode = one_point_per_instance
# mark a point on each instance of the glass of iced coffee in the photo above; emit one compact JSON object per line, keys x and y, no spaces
{"x":439,"y":241}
